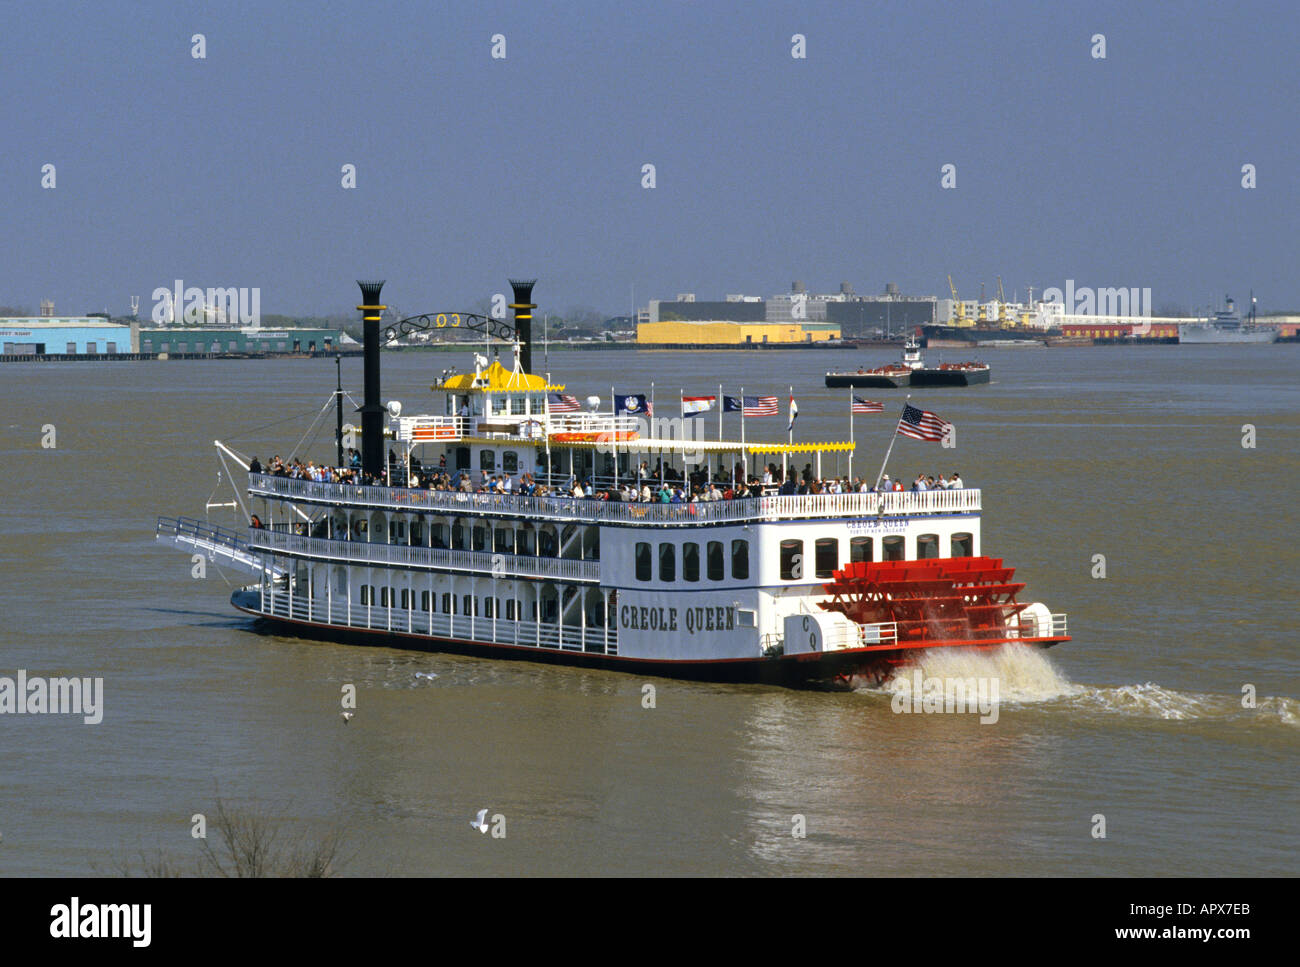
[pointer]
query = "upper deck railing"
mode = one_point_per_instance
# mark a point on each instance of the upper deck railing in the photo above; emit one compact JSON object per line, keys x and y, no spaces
{"x":514,"y":426}
{"x":585,"y":510}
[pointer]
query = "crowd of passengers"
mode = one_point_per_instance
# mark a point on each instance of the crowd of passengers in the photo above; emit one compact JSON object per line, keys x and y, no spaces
{"x":660,"y":484}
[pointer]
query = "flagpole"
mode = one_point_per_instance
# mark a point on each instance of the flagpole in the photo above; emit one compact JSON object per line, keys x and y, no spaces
{"x":851,"y":440}
{"x":742,"y":419}
{"x":789,"y":430}
{"x":891,"y":443}
{"x":720,"y":409}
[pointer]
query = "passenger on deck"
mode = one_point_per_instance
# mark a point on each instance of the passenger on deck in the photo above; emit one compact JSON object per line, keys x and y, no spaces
{"x":255,"y":466}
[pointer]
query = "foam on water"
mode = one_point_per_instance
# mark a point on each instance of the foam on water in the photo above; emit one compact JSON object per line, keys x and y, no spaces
{"x":1026,"y":676}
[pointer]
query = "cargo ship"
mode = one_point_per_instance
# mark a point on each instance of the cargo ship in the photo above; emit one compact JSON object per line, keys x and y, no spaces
{"x":509,"y":522}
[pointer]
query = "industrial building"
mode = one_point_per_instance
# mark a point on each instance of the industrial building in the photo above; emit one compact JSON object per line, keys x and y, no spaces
{"x":175,"y":340}
{"x":66,"y":336}
{"x":715,"y":332}
{"x":854,"y":316}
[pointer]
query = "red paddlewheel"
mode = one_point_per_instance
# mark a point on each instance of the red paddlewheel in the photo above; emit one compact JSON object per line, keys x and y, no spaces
{"x":967,"y":598}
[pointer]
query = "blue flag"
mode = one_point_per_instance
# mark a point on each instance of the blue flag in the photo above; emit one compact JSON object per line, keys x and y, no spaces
{"x":634,"y":404}
{"x":731,"y":404}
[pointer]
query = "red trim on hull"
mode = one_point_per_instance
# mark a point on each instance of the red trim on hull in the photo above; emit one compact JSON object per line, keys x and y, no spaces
{"x":802,"y":669}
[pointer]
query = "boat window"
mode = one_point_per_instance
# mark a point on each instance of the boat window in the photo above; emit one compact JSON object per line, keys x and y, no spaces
{"x":425,"y":600}
{"x":740,"y":560}
{"x":365,"y":594}
{"x":384,"y":599}
{"x":458,"y":536}
{"x":504,"y":541}
{"x":510,"y":609}
{"x":488,"y":604}
{"x":546,"y":544}
{"x":667,"y":562}
{"x":791,"y":560}
{"x":517,"y":406}
{"x":891,"y":548}
{"x":469,"y":605}
{"x":642,"y":561}
{"x":927,"y":546}
{"x":462,"y":458}
{"x":509,"y":462}
{"x":860,"y":549}
{"x":828,"y":556}
{"x":438,"y":535}
{"x":479,"y":536}
{"x":715,"y":562}
{"x":963,"y":545}
{"x":691,"y":562}
{"x":417,"y":533}
{"x":448,"y":603}
{"x":524,"y":541}
{"x":487,"y":461}
{"x":406,"y":599}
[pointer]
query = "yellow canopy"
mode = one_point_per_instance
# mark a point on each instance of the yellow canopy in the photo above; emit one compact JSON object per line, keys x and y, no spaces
{"x":496,"y":379}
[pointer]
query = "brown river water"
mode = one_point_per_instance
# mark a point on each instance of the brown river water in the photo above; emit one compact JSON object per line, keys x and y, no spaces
{"x":1134,"y":454}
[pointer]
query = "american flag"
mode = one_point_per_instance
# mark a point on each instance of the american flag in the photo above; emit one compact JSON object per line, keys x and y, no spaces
{"x":760,"y":406}
{"x":922,"y":424}
{"x":867,"y":406}
{"x":563,"y":403}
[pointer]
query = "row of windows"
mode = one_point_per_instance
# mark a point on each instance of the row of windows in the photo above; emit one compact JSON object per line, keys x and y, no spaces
{"x":826,"y":552}
{"x":714,"y":561}
{"x":461,"y":537}
{"x":466,"y":604}
{"x":548,"y":608}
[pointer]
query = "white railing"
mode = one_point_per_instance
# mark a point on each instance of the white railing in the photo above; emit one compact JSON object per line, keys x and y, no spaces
{"x":430,"y":429}
{"x":215,"y":543}
{"x":1029,"y":626}
{"x":475,"y":562}
{"x":879,"y":634}
{"x":618,"y":512}
{"x":501,"y":631}
{"x":434,"y":429}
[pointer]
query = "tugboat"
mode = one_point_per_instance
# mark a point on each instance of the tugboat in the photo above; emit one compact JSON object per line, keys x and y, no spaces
{"x":820,"y":581}
{"x":912,"y":371}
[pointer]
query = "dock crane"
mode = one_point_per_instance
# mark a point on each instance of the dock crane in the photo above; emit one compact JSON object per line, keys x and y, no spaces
{"x":982,"y":313}
{"x":1004,"y":319}
{"x":958,"y":310}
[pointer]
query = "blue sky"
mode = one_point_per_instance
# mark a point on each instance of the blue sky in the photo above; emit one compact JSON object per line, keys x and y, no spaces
{"x":226,"y":171}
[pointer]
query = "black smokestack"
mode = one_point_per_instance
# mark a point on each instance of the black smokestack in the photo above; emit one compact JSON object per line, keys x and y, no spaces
{"x":523,"y":306}
{"x":372,"y":411}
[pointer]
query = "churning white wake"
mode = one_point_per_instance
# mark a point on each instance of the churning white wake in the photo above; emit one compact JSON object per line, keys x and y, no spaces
{"x":1026,"y":676}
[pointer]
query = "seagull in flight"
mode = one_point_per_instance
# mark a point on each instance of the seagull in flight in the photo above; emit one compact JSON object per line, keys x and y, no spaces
{"x":480,"y":823}
{"x":346,"y":716}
